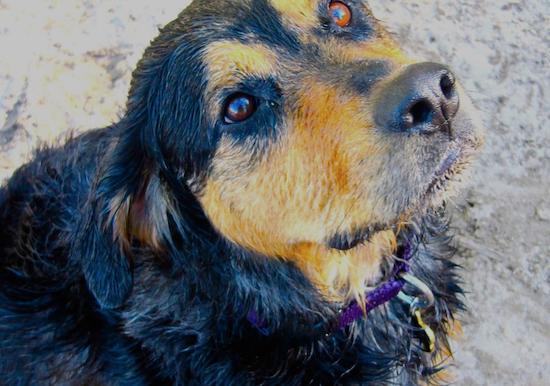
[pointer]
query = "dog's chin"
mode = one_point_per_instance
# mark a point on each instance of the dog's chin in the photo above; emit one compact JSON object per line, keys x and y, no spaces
{"x":442,"y":185}
{"x":445,"y":183}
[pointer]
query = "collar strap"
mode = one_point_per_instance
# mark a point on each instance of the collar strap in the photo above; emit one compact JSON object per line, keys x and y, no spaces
{"x":380,"y":295}
{"x":377,"y":297}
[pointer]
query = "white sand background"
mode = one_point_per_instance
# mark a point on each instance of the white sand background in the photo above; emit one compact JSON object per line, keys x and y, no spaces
{"x":66,"y":65}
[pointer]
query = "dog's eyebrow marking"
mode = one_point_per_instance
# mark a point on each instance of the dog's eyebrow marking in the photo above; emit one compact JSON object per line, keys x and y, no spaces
{"x":297,"y":13}
{"x":228,"y":61}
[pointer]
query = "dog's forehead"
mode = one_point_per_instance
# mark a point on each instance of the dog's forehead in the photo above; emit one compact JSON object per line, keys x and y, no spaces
{"x":254,"y":36}
{"x":299,"y":10}
{"x":284,"y":41}
{"x":297,"y":13}
{"x":300,"y":17}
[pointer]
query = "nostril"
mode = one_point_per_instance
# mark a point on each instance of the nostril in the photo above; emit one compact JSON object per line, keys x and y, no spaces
{"x":420,"y":113}
{"x":447,"y":84}
{"x":423,"y":99}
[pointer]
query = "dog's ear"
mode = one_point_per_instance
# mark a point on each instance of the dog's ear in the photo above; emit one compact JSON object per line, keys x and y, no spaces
{"x":141,"y":185}
{"x":106,"y":268}
{"x":105,"y":265}
{"x":100,"y":245}
{"x":129,"y":207}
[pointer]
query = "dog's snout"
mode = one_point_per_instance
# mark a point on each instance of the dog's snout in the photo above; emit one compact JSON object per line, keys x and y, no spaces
{"x":422,"y":99}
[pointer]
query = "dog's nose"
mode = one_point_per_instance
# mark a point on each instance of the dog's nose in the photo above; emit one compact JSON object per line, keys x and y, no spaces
{"x":422,"y":99}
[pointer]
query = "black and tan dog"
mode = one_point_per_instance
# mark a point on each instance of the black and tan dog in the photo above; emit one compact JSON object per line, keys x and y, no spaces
{"x":277,"y":159}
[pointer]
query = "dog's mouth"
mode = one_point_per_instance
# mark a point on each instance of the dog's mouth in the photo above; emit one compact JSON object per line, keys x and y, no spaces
{"x":351,"y":240}
{"x":448,"y":171}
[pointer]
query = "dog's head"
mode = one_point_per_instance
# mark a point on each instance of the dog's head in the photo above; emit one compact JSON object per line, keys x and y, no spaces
{"x":299,"y":126}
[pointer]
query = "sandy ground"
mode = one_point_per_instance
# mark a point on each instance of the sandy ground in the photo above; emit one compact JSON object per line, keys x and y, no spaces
{"x":66,"y":65}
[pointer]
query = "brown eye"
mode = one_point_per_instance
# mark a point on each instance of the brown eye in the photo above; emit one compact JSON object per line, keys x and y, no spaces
{"x":340,"y":13}
{"x":239,"y":107}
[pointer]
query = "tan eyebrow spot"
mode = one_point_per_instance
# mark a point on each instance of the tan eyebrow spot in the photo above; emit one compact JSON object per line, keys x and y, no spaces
{"x":229,"y":61}
{"x":297,"y":13}
{"x":382,"y":48}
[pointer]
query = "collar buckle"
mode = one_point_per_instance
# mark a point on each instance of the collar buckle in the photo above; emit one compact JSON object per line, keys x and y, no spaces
{"x":417,"y":304}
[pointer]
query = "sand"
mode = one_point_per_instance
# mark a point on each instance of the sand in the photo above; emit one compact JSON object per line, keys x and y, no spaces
{"x":66,"y":65}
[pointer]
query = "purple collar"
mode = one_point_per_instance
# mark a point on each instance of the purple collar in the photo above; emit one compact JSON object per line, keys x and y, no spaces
{"x":380,"y":295}
{"x":377,"y":297}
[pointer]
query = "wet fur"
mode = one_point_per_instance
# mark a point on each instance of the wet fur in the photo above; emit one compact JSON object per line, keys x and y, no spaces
{"x":191,"y":331}
{"x":112,"y":273}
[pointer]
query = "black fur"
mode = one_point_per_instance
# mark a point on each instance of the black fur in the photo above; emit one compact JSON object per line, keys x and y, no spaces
{"x":76,"y":308}
{"x":185,"y":322}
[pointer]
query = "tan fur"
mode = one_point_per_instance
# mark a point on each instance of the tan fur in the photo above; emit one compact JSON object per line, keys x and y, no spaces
{"x":311,"y":179}
{"x":311,"y":175}
{"x":311,"y":184}
{"x":118,"y":216}
{"x":344,"y":275}
{"x":382,"y":48}
{"x":230,"y":61}
{"x":297,"y":14}
{"x":142,"y":217}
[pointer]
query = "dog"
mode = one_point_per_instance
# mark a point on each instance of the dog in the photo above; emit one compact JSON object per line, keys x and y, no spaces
{"x":270,"y":210}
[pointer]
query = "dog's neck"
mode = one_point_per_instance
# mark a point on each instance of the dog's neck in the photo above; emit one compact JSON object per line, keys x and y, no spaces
{"x":345,"y":276}
{"x":360,"y":308}
{"x":292,"y":311}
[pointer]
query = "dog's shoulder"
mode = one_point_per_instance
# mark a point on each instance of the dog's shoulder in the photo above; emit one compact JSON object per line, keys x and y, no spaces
{"x":55,"y":179}
{"x":44,"y":307}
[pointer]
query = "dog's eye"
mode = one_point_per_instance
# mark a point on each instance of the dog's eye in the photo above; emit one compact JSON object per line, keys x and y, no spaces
{"x":239,"y":107}
{"x":340,"y":13}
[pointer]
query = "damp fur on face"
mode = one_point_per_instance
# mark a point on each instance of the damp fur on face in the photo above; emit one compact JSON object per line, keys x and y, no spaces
{"x":312,"y":162}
